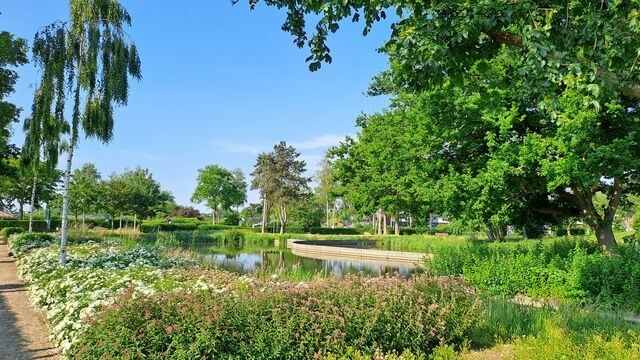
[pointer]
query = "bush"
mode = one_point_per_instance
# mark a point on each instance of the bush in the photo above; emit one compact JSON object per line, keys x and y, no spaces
{"x":23,"y":242}
{"x":287,"y":321}
{"x":8,"y":231}
{"x":334,"y":231}
{"x":231,"y":218}
{"x":160,"y":225}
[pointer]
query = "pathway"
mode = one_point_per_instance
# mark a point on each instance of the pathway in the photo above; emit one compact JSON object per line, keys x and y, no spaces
{"x":23,"y":332}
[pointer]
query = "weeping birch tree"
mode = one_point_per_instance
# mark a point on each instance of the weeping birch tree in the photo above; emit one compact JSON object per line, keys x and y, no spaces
{"x":90,"y":59}
{"x":41,"y":147}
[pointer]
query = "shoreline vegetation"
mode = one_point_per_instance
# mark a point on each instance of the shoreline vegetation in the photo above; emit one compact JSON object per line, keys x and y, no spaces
{"x":129,"y":298}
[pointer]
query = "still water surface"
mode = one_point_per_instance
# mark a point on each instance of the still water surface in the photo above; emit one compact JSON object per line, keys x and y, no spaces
{"x":271,"y":259}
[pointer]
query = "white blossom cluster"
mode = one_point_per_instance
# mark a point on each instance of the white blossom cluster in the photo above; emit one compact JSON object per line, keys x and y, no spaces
{"x":94,"y":277}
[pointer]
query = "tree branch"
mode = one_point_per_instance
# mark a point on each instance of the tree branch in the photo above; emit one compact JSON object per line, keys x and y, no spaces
{"x":614,"y":201}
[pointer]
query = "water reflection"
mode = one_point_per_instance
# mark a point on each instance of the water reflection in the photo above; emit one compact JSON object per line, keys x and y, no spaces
{"x":271,"y":260}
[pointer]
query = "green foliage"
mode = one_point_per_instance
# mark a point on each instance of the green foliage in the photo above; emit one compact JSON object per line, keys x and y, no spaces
{"x":288,"y":321}
{"x":89,"y":60}
{"x":38,"y":225}
{"x":161,"y":225}
{"x":502,"y":112}
{"x":278,"y":176}
{"x":232,"y":239}
{"x":571,"y":269}
{"x":215,"y":227}
{"x":219,"y":187}
{"x":231,"y":218}
{"x":334,"y":231}
{"x":8,"y":231}
{"x":13,"y":53}
{"x":85,"y":190}
{"x":23,"y":242}
{"x":560,"y":341}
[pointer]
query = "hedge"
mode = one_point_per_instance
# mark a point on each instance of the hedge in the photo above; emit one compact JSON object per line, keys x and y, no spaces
{"x":38,"y":225}
{"x":335,"y":231}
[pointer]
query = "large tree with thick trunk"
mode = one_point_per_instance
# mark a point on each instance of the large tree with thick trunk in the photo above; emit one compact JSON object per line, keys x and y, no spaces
{"x":573,"y":67}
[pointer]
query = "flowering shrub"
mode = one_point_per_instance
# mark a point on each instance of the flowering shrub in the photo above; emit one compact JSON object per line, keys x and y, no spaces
{"x":94,"y":277}
{"x":253,"y":319}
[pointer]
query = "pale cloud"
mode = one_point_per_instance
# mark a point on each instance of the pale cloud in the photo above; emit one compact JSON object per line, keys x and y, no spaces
{"x":141,"y":154}
{"x":318,"y":142}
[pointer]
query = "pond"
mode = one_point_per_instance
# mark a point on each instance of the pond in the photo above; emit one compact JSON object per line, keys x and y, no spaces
{"x":271,"y":260}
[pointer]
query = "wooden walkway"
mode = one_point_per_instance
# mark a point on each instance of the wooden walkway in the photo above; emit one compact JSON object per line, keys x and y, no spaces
{"x":23,"y":332}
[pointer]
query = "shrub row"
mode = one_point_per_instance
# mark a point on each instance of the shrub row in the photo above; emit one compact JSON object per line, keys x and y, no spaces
{"x":334,"y":231}
{"x":38,"y":225}
{"x":149,"y":226}
{"x":287,"y":321}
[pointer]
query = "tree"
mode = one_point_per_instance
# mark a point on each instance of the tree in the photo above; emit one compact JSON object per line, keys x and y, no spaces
{"x":307,"y":212}
{"x":220,"y":188}
{"x":383,"y":170}
{"x":143,"y":193}
{"x":114,"y":196}
{"x":13,"y":52}
{"x":185,"y":211}
{"x":88,"y":56}
{"x":18,"y":187}
{"x":85,"y":191}
{"x":325,"y":190}
{"x":41,"y":149}
{"x":568,"y":90}
{"x":134,"y":192}
{"x":278,"y":176}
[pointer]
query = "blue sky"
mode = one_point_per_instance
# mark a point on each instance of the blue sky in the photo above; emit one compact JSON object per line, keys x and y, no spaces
{"x":220,"y":85}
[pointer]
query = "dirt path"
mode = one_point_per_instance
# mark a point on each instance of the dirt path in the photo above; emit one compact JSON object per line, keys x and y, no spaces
{"x":23,"y":333}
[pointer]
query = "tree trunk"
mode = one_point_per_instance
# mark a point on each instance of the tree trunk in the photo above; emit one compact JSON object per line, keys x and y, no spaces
{"x":213,"y":216}
{"x":120,"y":223}
{"x":328,"y":213}
{"x":135,"y":221}
{"x":21,"y":211}
{"x":264,"y":215}
{"x":384,"y":224}
{"x":396,"y":226}
{"x":606,"y":239}
{"x":33,"y":201}
{"x":75,"y":122}
{"x":65,"y":206}
{"x":524,"y":232}
{"x":283,"y":218}
{"x":84,"y":225}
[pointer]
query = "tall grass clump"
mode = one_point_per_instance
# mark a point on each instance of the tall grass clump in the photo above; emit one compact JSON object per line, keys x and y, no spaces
{"x":571,"y":269}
